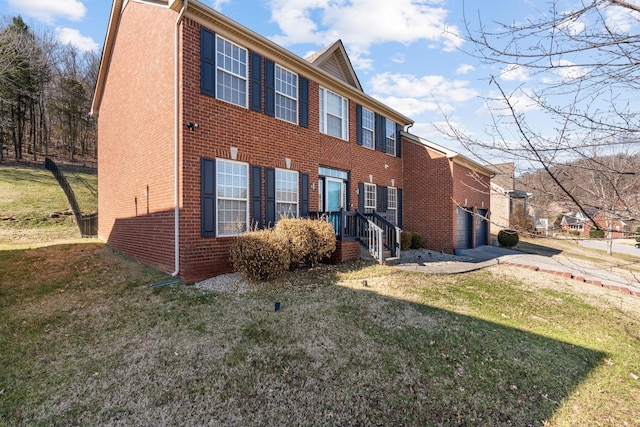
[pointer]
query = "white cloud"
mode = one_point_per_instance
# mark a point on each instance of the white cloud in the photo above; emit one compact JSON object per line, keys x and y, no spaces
{"x":569,"y":70}
{"x":49,"y":10}
{"x":399,"y":58}
{"x":522,"y":101}
{"x":362,"y":23}
{"x":515,"y":73}
{"x":464,"y":69}
{"x":410,"y":107}
{"x":217,"y":4}
{"x":74,"y":38}
{"x":432,"y":87}
{"x":621,"y":19}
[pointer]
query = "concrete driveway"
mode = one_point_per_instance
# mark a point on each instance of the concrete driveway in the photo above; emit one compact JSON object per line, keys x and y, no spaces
{"x":484,"y":256}
{"x":618,"y":247}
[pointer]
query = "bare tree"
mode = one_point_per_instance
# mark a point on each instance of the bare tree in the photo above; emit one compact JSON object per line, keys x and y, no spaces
{"x":586,"y":66}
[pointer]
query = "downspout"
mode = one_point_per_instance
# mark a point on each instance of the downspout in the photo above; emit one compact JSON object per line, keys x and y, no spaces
{"x":177,"y":78}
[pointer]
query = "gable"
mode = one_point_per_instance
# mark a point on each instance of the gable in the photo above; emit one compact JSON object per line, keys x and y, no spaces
{"x":335,"y":61}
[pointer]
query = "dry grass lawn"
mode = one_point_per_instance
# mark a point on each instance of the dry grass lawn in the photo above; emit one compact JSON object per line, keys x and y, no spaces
{"x":85,"y":340}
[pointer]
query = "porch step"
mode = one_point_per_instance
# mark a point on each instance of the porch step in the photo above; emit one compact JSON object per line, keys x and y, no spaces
{"x":392,"y":261}
{"x":388,"y":260}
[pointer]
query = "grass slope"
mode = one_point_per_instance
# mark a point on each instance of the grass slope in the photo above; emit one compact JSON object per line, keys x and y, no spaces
{"x":85,"y":340}
{"x":29,"y":194}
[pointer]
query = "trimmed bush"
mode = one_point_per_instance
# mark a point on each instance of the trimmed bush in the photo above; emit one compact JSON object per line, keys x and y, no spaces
{"x":595,"y":233}
{"x":260,"y":255}
{"x":309,"y":240}
{"x":416,"y":241}
{"x":405,"y":240}
{"x":508,"y":238}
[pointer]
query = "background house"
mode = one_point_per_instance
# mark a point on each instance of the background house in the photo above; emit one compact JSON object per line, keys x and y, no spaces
{"x":579,"y":224}
{"x":509,"y":206}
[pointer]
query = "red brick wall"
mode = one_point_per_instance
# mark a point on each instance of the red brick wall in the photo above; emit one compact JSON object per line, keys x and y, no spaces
{"x":434,"y":187}
{"x":135,"y":132}
{"x":345,"y":251}
{"x":426,"y":199}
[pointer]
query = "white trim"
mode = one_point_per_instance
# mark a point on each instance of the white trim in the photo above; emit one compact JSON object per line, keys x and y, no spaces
{"x":276,"y":93}
{"x":297,"y":202}
{"x":375,"y":196}
{"x":344,"y":105}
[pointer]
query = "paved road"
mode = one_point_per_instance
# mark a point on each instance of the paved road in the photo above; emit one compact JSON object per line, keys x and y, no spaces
{"x":617,"y":247}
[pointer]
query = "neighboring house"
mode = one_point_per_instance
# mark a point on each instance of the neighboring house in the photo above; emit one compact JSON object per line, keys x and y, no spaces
{"x":446,"y":196}
{"x":207,"y":129}
{"x":505,"y":199}
{"x":579,"y":224}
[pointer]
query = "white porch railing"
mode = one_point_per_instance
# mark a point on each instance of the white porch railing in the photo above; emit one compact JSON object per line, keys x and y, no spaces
{"x":375,"y":240}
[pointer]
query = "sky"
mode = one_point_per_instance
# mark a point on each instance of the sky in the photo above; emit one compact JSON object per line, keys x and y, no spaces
{"x":406,"y":53}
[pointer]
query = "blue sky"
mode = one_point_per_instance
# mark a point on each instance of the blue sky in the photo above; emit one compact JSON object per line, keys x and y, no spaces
{"x":407,"y":53}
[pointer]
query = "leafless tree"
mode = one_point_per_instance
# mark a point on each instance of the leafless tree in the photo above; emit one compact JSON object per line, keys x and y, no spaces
{"x":580,"y":103}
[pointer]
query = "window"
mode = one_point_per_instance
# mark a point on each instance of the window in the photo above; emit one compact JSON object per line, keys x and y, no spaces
{"x":392,"y":205}
{"x":369,"y":198}
{"x":334,"y":114}
{"x":231,"y":72}
{"x":391,"y":137}
{"x":232,"y":194}
{"x":286,"y":84}
{"x":286,"y":193}
{"x":368,"y":125}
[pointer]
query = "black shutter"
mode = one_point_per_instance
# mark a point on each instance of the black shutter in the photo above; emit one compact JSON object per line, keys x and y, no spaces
{"x":304,"y":194}
{"x":382,"y":201}
{"x":269,"y":88}
{"x":361,"y":196}
{"x":270,"y":196}
{"x":303,"y":91}
{"x":255,"y":92}
{"x":207,"y":197}
{"x":381,"y":133}
{"x":256,"y":197}
{"x":207,"y":62}
{"x":399,"y":209}
{"x":359,"y":124}
{"x":398,"y":140}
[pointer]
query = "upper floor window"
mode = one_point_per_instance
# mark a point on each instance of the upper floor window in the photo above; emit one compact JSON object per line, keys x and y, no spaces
{"x":334,"y":117}
{"x":369,"y":198}
{"x":231,"y":72}
{"x":391,"y":137}
{"x":368,"y":126}
{"x":232,"y":197}
{"x":286,"y":193}
{"x":286,"y":85}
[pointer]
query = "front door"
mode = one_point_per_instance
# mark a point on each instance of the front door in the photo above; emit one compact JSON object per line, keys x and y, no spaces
{"x":334,"y":195}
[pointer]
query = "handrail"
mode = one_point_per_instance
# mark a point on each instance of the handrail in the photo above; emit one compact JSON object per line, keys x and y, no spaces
{"x":391,"y":233}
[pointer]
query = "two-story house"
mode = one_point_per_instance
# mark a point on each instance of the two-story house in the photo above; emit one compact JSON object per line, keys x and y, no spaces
{"x":207,"y":129}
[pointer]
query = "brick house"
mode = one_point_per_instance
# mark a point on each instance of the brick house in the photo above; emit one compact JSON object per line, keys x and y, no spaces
{"x":207,"y":129}
{"x":446,"y":196}
{"x":577,"y":223}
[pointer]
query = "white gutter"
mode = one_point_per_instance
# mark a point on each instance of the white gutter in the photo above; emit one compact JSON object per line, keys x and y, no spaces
{"x":176,"y":212}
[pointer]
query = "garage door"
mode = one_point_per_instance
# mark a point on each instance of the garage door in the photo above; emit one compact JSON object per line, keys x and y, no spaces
{"x":464,"y":228}
{"x":482,"y":228}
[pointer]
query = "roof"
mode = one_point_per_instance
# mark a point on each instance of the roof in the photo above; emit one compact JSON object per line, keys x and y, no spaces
{"x":450,"y":154}
{"x":316,"y":69}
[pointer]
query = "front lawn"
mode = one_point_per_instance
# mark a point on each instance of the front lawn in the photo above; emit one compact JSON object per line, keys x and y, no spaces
{"x":85,"y":339}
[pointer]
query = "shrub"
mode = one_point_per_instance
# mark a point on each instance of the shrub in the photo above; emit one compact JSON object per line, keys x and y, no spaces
{"x":416,"y":241}
{"x":260,"y":255}
{"x":595,"y":233}
{"x":309,"y":240}
{"x":638,"y":234}
{"x":405,"y":240}
{"x":324,"y":240}
{"x":508,"y":238}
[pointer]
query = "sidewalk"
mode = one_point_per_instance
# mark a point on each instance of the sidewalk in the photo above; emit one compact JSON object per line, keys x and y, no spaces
{"x":485,"y":256}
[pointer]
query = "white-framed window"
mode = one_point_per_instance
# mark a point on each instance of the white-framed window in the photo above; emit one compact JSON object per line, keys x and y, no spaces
{"x":391,"y":137}
{"x":231,"y":72}
{"x":369,"y":197}
{"x":286,"y":84}
{"x":368,"y":126}
{"x":232,"y":197}
{"x":334,"y":114}
{"x":392,"y":204}
{"x":286,"y":193}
